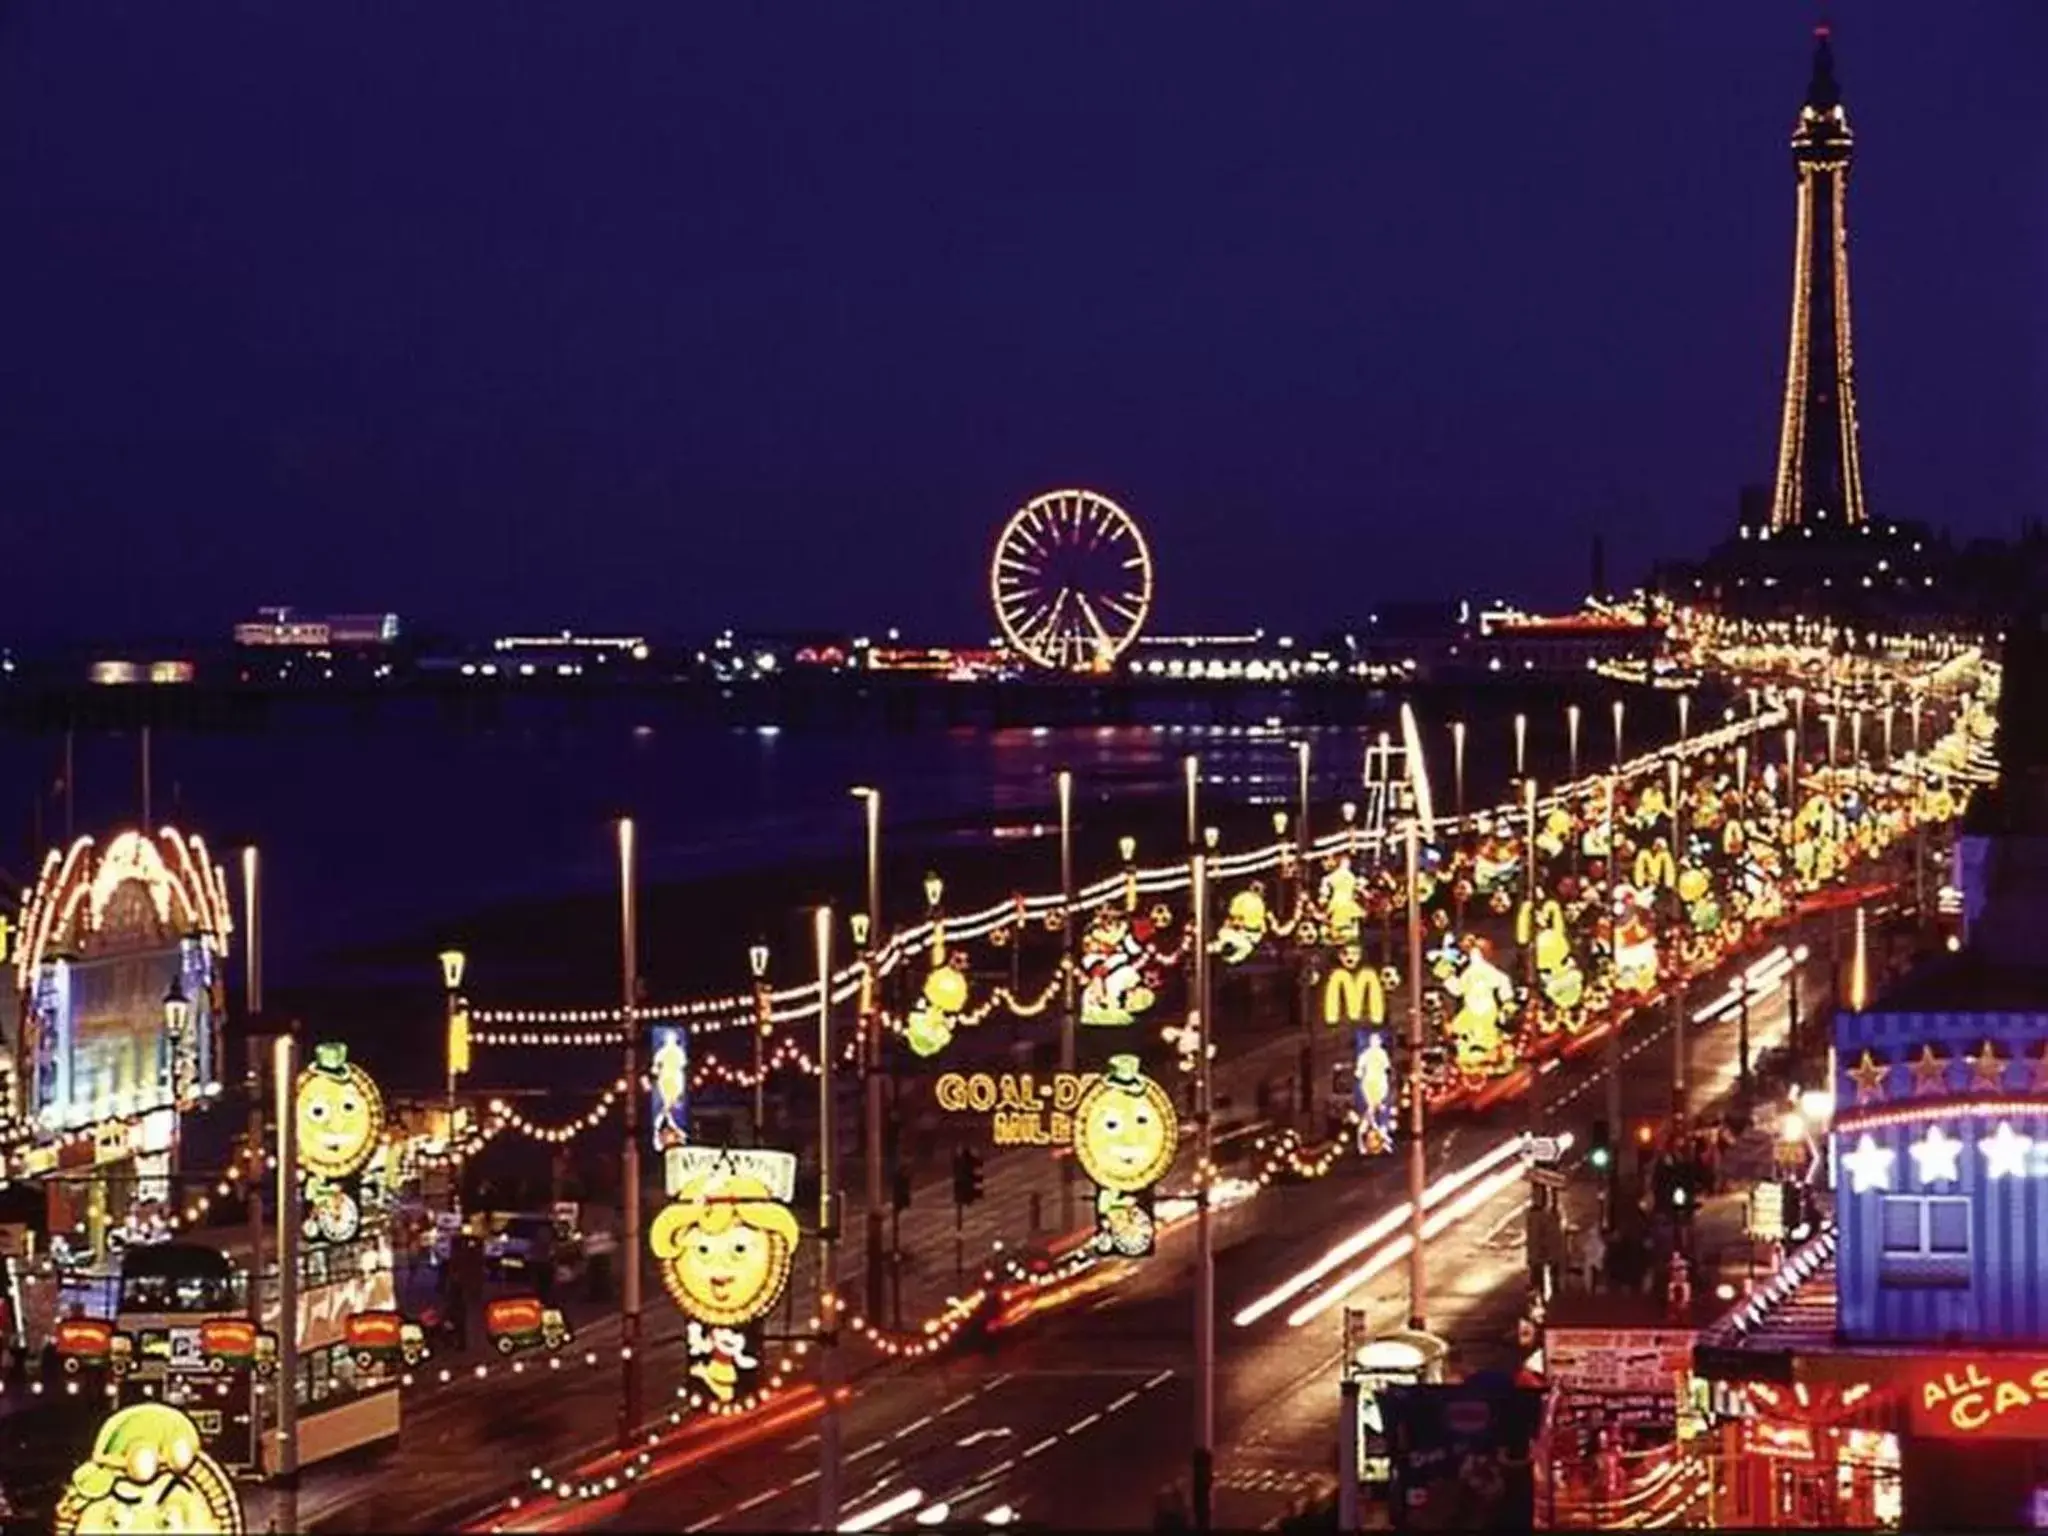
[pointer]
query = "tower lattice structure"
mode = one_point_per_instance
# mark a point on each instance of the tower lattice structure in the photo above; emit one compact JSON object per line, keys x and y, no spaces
{"x":1820,"y":469}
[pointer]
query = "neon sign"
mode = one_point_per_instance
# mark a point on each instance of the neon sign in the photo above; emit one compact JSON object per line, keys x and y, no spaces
{"x":725,"y":1246}
{"x":1023,"y":1111}
{"x":670,"y":1087}
{"x":1125,"y":1135}
{"x":1989,"y":1399}
{"x":340,"y":1122}
{"x":148,"y":1471}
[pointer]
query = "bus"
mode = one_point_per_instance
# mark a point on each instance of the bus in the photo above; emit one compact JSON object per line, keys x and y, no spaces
{"x":171,"y":1292}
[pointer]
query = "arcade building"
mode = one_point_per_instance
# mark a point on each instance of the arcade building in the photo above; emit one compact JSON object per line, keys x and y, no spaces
{"x":115,"y":1033}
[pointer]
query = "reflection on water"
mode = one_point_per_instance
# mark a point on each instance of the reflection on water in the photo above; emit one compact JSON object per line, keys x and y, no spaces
{"x":376,"y":825}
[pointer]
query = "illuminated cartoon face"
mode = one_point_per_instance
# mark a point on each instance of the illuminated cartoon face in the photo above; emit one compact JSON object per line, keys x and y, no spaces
{"x":1125,"y":1130}
{"x":337,"y":1124}
{"x":148,"y":1473}
{"x":725,"y":1251}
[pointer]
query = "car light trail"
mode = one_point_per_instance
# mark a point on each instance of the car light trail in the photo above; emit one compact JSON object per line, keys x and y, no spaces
{"x":1375,"y":1231}
{"x":900,"y":1504}
{"x":1440,"y":1221}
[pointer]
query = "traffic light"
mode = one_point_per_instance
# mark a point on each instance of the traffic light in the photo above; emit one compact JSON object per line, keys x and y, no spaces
{"x":966,"y":1176}
{"x":1600,"y":1152}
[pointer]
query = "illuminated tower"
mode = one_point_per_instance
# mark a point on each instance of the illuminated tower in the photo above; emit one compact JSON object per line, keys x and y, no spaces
{"x":1820,"y":473}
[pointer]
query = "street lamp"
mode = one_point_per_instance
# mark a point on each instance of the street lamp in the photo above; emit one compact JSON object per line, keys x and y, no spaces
{"x":757,"y":965}
{"x":1191,"y":769}
{"x":1301,"y":756}
{"x":934,"y":890}
{"x":866,"y":925}
{"x":871,"y":799}
{"x":177,"y":1016}
{"x":453,"y":964}
{"x":1684,"y":717}
{"x":629,"y":1016}
{"x":1571,"y":734}
{"x":1521,"y":746}
{"x":1065,"y":784}
{"x":1458,"y":764}
{"x":1620,"y":709}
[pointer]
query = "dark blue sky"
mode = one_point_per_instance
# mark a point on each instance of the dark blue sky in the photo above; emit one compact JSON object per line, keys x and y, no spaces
{"x":667,"y":314}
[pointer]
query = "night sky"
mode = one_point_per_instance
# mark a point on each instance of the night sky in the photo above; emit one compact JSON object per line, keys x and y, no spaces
{"x":668,"y":314}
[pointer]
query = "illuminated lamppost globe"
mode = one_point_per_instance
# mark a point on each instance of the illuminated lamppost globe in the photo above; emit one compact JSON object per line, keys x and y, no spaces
{"x":1071,"y":581}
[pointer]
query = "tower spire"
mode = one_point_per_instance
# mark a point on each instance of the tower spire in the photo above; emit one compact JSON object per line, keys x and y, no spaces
{"x":1823,"y":92}
{"x":1820,"y":469}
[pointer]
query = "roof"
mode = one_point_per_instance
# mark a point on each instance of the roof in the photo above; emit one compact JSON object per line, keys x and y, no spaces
{"x":1792,"y":1312}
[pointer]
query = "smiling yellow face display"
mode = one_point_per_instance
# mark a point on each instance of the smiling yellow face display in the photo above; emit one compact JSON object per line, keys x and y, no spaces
{"x":725,"y":1247}
{"x":339,"y":1115}
{"x":1125,"y":1130}
{"x":148,"y":1472}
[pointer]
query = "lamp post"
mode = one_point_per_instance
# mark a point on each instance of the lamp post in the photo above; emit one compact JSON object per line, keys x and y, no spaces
{"x":757,"y":966}
{"x":1742,"y":991}
{"x":453,"y":963}
{"x":629,"y":1010}
{"x":1684,"y":718}
{"x":284,"y":1077}
{"x":1068,"y":936}
{"x":1612,"y":1050}
{"x":1205,"y":1233}
{"x":1678,"y":1003}
{"x":828,"y":1240}
{"x":1620,"y":709}
{"x":1301,"y":824}
{"x":1521,"y":745}
{"x":1571,"y":736}
{"x":252,"y":1002}
{"x":177,"y":1017}
{"x":868,"y":1021}
{"x":1458,"y":765}
{"x":867,"y":929}
{"x":1792,"y":1029}
{"x":1191,"y":771}
{"x":1418,"y":1264}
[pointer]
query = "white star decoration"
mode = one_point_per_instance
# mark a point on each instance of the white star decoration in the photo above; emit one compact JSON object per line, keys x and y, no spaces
{"x":1870,"y":1166}
{"x":2005,"y":1152}
{"x":1935,"y":1157}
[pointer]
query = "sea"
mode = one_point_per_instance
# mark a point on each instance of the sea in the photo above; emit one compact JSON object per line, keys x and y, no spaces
{"x":388,"y":832}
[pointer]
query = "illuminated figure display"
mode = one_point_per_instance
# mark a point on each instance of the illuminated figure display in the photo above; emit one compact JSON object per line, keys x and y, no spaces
{"x":929,"y":1029}
{"x":1118,"y":975}
{"x":148,"y":1472}
{"x":340,"y":1117}
{"x":1071,"y":581}
{"x":1485,"y":995}
{"x":1125,"y":1137}
{"x":340,"y":1113}
{"x":1243,"y":926}
{"x":1372,"y":1072}
{"x":725,"y":1245}
{"x":1338,"y":897}
{"x":1497,"y":859}
{"x":671,"y":1087}
{"x":1635,"y":946}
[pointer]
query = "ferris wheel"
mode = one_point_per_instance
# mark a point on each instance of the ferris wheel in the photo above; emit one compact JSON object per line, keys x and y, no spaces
{"x":1071,"y":581}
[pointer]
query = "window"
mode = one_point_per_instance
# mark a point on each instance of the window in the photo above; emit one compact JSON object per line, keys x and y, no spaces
{"x":1924,"y":1241}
